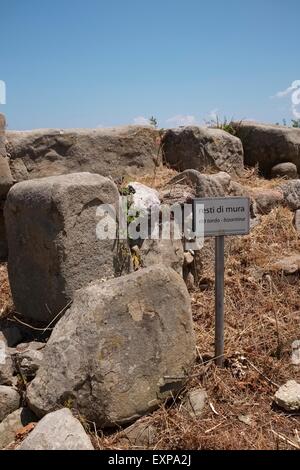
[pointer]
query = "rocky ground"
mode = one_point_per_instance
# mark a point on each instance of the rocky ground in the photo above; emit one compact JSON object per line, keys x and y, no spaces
{"x":234,"y":407}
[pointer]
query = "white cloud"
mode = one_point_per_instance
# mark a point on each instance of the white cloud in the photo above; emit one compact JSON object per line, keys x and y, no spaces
{"x":141,"y":121}
{"x":182,"y":120}
{"x":294,"y":91}
{"x":290,"y":89}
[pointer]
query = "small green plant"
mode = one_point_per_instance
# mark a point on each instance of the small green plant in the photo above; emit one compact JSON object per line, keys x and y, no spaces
{"x":225,"y":125}
{"x":296,"y":123}
{"x":153,"y":122}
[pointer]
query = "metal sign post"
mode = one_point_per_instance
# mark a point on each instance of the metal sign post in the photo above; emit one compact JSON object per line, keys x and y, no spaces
{"x":220,"y":217}
{"x":219,"y":300}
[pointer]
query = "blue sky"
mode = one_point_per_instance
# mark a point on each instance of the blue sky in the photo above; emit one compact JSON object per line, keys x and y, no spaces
{"x":71,"y":63}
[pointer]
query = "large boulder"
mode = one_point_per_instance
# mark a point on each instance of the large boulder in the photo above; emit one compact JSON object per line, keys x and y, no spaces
{"x":120,"y":350}
{"x":215,"y":185}
{"x":267,"y":145}
{"x":58,"y":431}
{"x":201,"y":147}
{"x":286,"y":170}
{"x":111,"y":152}
{"x":53,"y":245}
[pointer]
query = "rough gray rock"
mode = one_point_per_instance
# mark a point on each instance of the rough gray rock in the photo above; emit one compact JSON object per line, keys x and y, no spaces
{"x":286,"y":170}
{"x":195,"y":402}
{"x":111,"y":152}
{"x":6,"y":365}
{"x":217,"y":185}
{"x":53,"y":245}
{"x":167,"y":252}
{"x":295,"y":359}
{"x":288,"y":396}
{"x":268,"y":145}
{"x":29,"y":357}
{"x":267,"y":199}
{"x":121,"y":349}
{"x":200,"y":147}
{"x":6,"y":180}
{"x":3,"y":240}
{"x":288,"y":265}
{"x":58,"y":431}
{"x":9,"y":401}
{"x":144,"y":198}
{"x":13,"y":423}
{"x":291,"y":193}
{"x":297,"y":220}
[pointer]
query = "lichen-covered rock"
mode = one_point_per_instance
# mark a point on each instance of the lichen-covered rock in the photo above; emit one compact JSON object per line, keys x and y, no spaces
{"x":291,"y":193}
{"x":54,"y":247}
{"x":122,"y":348}
{"x":288,"y":396}
{"x":58,"y":431}
{"x":28,"y":357}
{"x":201,"y":147}
{"x":114,"y":152}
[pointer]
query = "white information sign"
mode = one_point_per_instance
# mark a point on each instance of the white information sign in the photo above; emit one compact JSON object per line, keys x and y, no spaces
{"x":222,"y":215}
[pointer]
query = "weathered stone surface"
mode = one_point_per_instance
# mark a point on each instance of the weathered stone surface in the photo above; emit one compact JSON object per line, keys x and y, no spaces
{"x":6,"y":365}
{"x":268,"y":145}
{"x":3,"y":240}
{"x":144,"y":198}
{"x":29,"y":357}
{"x":58,"y":431}
{"x":122,"y":348}
{"x":289,"y":264}
{"x":291,"y":193}
{"x":9,"y":401}
{"x":216,"y":185}
{"x":288,"y":396}
{"x":111,"y":152}
{"x":286,"y":170}
{"x":195,"y":402}
{"x":267,"y":199}
{"x":13,"y":423}
{"x":167,"y":252}
{"x":53,"y":245}
{"x":6,"y":179}
{"x":177,"y":193}
{"x":297,"y":220}
{"x":200,"y":147}
{"x":295,"y":359}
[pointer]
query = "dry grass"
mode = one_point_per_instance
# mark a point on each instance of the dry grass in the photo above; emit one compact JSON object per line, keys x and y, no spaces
{"x":262,"y":320}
